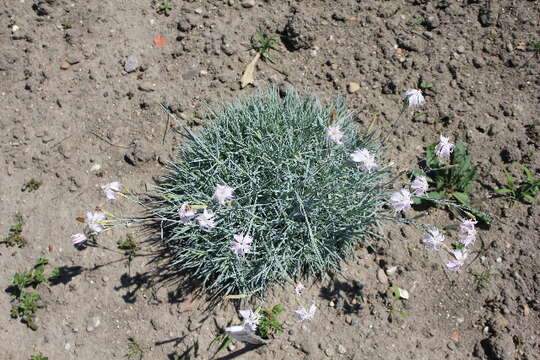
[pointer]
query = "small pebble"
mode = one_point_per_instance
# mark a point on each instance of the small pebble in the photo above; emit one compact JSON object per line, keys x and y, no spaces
{"x":131,"y":64}
{"x":65,"y":65}
{"x":341,"y":349}
{"x":381,"y":276}
{"x":353,"y":87}
{"x":329,"y":352}
{"x":248,"y":3}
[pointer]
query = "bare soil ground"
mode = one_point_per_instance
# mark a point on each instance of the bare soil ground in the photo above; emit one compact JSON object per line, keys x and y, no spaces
{"x":72,"y":118}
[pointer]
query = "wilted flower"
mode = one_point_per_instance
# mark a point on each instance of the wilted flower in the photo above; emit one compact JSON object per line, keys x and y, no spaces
{"x":241,"y":244}
{"x":467,"y":232}
{"x":433,"y":239}
{"x":93,"y":219}
{"x":401,"y":200}
{"x":186,"y":213}
{"x":111,"y":189}
{"x":460,"y":256}
{"x":299,"y":288}
{"x":413,"y":97}
{"x":223,"y":193}
{"x":444,"y":148}
{"x":78,"y":238}
{"x":419,"y":186}
{"x":302,"y":314}
{"x":334,"y":134}
{"x":206,"y":219}
{"x":251,"y":319}
{"x":365,"y":159}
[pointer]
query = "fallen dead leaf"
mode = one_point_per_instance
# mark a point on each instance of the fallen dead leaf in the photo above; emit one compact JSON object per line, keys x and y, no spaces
{"x":159,"y":40}
{"x":248,"y":76}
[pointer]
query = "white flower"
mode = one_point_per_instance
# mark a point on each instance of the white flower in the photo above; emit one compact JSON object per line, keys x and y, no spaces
{"x":78,"y":238}
{"x":241,"y":244}
{"x":433,"y":239}
{"x":365,"y":159}
{"x":334,"y":134}
{"x":401,"y":200}
{"x":419,"y":186}
{"x":93,"y":219}
{"x":460,"y":256}
{"x":244,"y":334}
{"x":111,"y":189}
{"x":186,"y":213}
{"x":251,"y":319}
{"x":223,"y":193}
{"x":206,"y":219}
{"x":444,"y":148}
{"x":413,"y":97}
{"x":302,"y":314}
{"x":299,"y":288}
{"x":467,"y":232}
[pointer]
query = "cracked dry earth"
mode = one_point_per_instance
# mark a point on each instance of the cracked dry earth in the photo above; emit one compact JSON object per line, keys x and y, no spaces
{"x":76,"y":114}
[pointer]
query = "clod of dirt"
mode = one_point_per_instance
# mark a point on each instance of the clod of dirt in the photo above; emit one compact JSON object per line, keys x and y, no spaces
{"x":488,"y":14}
{"x":297,"y":34}
{"x":499,"y":347}
{"x":353,"y":87}
{"x":248,"y":4}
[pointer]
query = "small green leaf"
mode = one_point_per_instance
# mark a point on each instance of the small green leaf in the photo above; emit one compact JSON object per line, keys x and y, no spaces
{"x":509,"y":180}
{"x":529,"y":198}
{"x":502,"y":191}
{"x":461,"y":197}
{"x":434,"y":195}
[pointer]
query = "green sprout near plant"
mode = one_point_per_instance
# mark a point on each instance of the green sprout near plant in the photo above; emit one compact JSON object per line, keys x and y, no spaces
{"x":450,"y":181}
{"x":66,"y":24}
{"x":31,"y":185}
{"x":14,"y":237}
{"x":38,"y":356}
{"x":129,"y":246}
{"x":165,"y":8}
{"x":263,"y":43}
{"x":269,"y":325}
{"x":25,"y":308}
{"x":524,"y":191}
{"x":27,"y":303}
{"x":482,"y":279}
{"x":135,"y":350}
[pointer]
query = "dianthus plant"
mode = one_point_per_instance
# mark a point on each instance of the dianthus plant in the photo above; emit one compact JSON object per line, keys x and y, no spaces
{"x":269,"y":190}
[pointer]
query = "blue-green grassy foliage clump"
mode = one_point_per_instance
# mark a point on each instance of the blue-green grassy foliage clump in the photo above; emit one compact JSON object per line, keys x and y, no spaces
{"x":300,"y":197}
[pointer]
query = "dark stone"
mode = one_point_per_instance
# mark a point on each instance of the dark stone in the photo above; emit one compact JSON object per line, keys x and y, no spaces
{"x":297,"y":33}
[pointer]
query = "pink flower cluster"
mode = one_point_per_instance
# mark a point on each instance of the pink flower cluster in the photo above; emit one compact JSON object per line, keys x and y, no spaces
{"x":434,"y":240}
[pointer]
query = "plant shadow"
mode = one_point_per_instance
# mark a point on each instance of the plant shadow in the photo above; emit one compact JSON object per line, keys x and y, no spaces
{"x":347,"y":296}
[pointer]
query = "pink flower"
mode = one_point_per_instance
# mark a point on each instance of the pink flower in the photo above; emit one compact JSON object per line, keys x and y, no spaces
{"x":241,"y":244}
{"x":365,"y":159}
{"x":93,"y":220}
{"x":413,"y":97}
{"x":401,"y":200}
{"x":334,"y":134}
{"x":111,"y":189}
{"x":460,"y":256}
{"x":299,"y":289}
{"x":467,"y":232}
{"x":444,"y":148}
{"x":251,"y":319}
{"x":433,"y":239}
{"x":186,"y":213}
{"x":223,"y":193}
{"x":206,"y":219}
{"x":419,"y":186}
{"x":78,"y":238}
{"x":302,"y":314}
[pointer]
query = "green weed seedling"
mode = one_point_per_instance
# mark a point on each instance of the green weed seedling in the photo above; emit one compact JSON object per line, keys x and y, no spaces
{"x":269,"y":325}
{"x":450,"y":181}
{"x":482,"y":279}
{"x":129,"y":246}
{"x":38,"y":356}
{"x":14,"y":237}
{"x":135,"y":350}
{"x":525,"y":191}
{"x":165,"y":8}
{"x":262,"y":43}
{"x":31,"y":185}
{"x":27,"y":305}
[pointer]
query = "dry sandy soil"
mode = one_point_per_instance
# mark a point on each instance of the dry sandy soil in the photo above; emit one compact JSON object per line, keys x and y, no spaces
{"x":72,"y":118}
